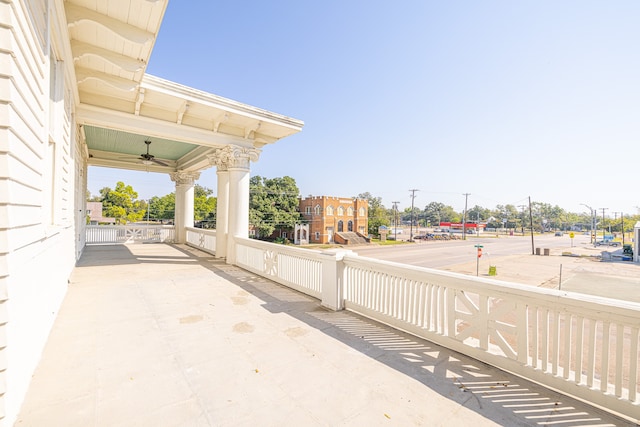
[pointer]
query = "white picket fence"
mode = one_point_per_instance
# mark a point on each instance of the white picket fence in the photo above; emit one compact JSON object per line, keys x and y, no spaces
{"x":133,"y":233}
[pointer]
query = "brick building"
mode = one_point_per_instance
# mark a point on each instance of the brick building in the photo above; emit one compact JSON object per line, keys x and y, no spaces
{"x":340,"y":220}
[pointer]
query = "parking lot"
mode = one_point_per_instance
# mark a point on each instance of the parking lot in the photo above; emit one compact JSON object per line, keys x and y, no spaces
{"x":573,"y":265}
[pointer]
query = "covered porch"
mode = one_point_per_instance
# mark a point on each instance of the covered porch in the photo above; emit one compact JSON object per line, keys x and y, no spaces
{"x":160,"y":334}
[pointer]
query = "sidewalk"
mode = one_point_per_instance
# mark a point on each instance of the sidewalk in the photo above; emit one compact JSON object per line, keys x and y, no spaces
{"x":162,"y":335}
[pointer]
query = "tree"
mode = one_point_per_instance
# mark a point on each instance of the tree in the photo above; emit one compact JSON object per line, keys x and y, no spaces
{"x":477,"y":214}
{"x":162,"y":208}
{"x":121,"y":203}
{"x":546,"y":217}
{"x":432,"y":213}
{"x":378,"y":215}
{"x":273,"y":202}
{"x":506,"y":216}
{"x":448,"y":214}
{"x":204,"y":204}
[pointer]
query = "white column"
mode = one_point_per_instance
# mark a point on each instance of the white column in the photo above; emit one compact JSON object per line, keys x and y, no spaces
{"x":235,"y":160}
{"x":222,"y":212}
{"x":238,"y":209}
{"x":184,"y":202}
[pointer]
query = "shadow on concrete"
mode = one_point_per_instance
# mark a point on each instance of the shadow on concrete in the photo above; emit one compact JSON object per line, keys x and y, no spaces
{"x":497,"y":396}
{"x":501,"y":397}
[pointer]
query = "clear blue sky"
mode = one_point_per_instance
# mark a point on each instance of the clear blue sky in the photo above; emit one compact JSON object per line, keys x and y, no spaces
{"x":499,"y":99}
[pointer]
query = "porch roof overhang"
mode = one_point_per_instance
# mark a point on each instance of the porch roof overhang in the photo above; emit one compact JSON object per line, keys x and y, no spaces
{"x":119,"y":106}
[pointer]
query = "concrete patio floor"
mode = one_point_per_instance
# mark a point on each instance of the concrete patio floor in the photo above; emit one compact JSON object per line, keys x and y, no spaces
{"x":165,"y":335}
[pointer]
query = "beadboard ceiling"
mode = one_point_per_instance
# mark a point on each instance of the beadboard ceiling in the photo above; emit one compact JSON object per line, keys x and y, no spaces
{"x":121,"y":107}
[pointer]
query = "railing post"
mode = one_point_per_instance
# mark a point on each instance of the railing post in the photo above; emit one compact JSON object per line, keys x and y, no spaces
{"x":333,"y":278}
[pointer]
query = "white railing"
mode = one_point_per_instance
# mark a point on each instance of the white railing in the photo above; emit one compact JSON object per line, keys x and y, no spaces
{"x":203,"y":239}
{"x":300,"y":269}
{"x":132,"y":233}
{"x":584,"y":346}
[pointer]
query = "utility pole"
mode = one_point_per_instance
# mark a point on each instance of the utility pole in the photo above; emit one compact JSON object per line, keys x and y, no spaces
{"x":533,"y":252}
{"x":464,"y":216}
{"x":622,"y":227}
{"x":603,"y":228}
{"x":395,"y":220}
{"x":413,"y":196}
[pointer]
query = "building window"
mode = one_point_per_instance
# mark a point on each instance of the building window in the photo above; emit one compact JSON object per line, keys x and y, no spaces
{"x":350,"y":226}
{"x":349,"y":211}
{"x":284,"y":235}
{"x":361,"y":212}
{"x":317,"y":235}
{"x":361,"y":229}
{"x":307,"y":210}
{"x":340,"y":211}
{"x":340,"y":226}
{"x":329,"y":210}
{"x":317,"y":209}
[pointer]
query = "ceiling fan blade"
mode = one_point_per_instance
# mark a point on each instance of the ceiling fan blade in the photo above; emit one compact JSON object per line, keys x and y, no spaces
{"x":159,"y":162}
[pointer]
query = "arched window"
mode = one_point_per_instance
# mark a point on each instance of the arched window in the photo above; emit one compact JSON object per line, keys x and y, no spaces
{"x":317,"y":209}
{"x":340,"y":211}
{"x":340,"y":226}
{"x":307,"y":210}
{"x":361,"y":212}
{"x":350,"y":226}
{"x":329,"y":210}
{"x":349,"y":211}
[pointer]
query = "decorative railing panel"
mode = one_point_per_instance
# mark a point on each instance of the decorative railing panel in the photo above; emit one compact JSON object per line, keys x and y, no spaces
{"x":204,"y":239}
{"x":582,"y":345}
{"x":119,"y":234}
{"x":300,"y":269}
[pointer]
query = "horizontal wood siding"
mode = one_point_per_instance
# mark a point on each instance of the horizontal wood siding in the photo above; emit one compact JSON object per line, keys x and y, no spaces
{"x":38,"y":197}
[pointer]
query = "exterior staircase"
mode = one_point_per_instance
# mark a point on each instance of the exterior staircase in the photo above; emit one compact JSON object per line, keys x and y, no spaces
{"x":350,"y":238}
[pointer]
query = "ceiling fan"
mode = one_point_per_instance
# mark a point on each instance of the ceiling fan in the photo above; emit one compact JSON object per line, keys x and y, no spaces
{"x":149,"y":159}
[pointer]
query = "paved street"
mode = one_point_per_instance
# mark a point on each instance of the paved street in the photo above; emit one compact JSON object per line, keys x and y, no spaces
{"x":512,"y":256}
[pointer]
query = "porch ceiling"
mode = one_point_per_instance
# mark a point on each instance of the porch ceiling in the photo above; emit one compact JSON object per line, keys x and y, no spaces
{"x":119,"y":107}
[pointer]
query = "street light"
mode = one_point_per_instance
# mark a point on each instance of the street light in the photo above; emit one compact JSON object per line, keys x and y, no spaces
{"x":591,"y":213}
{"x":395,"y":220}
{"x":413,"y":196}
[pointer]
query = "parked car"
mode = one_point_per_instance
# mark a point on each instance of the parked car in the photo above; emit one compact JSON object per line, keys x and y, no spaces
{"x":607,"y":243}
{"x":559,"y":233}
